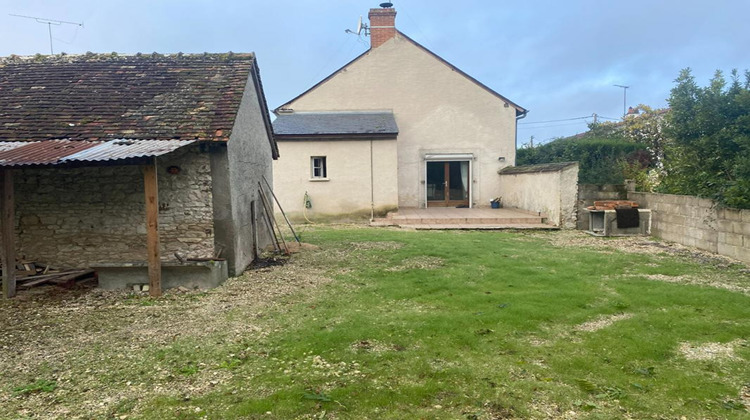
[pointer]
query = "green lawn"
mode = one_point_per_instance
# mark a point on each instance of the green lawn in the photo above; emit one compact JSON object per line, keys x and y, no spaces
{"x":439,"y":325}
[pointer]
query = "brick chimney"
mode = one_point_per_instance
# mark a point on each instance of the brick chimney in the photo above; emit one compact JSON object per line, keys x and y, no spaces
{"x":382,"y":25}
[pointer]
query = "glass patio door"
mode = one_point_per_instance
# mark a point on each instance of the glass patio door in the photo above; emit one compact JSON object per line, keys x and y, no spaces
{"x":448,"y":184}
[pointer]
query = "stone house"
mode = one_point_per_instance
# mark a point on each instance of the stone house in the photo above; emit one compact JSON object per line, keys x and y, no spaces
{"x":397,"y":126}
{"x":134,"y":165}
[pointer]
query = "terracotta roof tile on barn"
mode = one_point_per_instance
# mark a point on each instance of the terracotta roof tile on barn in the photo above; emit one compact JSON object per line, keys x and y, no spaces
{"x":103,"y":97}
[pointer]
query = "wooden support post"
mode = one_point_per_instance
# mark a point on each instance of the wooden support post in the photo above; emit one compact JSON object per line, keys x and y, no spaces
{"x":151,"y":188}
{"x":7,"y":224}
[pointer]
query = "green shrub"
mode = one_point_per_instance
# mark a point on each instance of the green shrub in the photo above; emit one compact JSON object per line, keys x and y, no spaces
{"x":601,"y":160}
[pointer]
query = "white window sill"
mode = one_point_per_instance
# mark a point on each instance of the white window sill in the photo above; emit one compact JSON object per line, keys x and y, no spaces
{"x":319,"y":179}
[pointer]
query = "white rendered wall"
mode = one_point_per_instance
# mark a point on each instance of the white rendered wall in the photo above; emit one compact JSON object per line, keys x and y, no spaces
{"x":437,"y":110}
{"x":346,"y":191}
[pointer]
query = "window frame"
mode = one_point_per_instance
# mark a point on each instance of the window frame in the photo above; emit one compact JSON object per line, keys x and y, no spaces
{"x":322,"y":168}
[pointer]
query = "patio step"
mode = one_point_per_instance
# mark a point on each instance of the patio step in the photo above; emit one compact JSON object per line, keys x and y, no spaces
{"x":464,"y":219}
{"x":469,"y":226}
{"x":467,"y":220}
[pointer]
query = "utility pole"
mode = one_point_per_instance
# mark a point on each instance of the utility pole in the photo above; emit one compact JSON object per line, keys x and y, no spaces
{"x":595,"y":118}
{"x":624,"y":99}
{"x":49,"y":23}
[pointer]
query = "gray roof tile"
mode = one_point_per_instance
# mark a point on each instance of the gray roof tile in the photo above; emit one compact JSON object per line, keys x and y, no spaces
{"x":335,"y":124}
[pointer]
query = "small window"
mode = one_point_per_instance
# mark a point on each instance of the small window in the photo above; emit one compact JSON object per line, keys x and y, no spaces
{"x":318,"y":167}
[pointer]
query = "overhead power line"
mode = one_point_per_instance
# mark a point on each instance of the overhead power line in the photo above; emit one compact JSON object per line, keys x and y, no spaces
{"x":568,"y":124}
{"x":553,"y":121}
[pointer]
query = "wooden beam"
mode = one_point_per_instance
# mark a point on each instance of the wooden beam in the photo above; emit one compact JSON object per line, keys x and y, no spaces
{"x":151,"y":189}
{"x":7,"y":234}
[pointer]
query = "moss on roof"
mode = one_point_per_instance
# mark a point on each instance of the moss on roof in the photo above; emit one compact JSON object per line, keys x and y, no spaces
{"x":102,"y":96}
{"x":542,"y":167}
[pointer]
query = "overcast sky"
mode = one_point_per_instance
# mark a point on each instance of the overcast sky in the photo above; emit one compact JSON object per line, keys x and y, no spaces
{"x":559,"y":59}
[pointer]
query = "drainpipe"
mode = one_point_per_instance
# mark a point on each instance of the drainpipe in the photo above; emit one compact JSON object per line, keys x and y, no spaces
{"x":519,"y":117}
{"x":372,"y":188}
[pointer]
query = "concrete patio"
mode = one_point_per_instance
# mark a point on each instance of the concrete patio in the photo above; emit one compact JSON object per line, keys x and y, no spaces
{"x":440,"y":218}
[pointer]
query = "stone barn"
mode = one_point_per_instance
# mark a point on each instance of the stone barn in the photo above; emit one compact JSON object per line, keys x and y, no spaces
{"x":145,"y":168}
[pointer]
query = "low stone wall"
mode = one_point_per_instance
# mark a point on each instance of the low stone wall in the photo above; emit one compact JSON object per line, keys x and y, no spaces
{"x":588,"y":193}
{"x":84,"y":216}
{"x":549,"y":189}
{"x":698,"y":222}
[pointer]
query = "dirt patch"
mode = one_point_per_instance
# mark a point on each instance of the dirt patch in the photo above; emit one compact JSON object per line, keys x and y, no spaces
{"x":633,"y":245}
{"x":554,"y":333}
{"x":419,"y":263}
{"x":269,"y":261}
{"x":550,"y":410}
{"x":315,"y":366}
{"x":745,"y":396}
{"x":374,"y":245}
{"x":736,"y":284}
{"x":601,"y":322}
{"x":538,"y":342}
{"x":739,"y":282}
{"x":710,"y":351}
{"x":295,"y":246}
{"x":374,"y":346}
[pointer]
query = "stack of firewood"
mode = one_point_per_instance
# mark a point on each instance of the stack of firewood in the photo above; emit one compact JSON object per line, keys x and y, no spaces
{"x":32,"y":273}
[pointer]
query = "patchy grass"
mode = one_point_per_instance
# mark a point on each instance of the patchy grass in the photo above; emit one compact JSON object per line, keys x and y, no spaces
{"x":40,"y":385}
{"x":391,"y":324}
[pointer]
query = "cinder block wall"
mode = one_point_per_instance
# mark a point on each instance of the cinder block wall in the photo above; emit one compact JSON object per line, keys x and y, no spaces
{"x":588,"y":193}
{"x":76,"y":217}
{"x":698,"y":222}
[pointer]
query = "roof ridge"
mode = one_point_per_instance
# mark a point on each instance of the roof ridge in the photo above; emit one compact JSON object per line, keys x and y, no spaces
{"x":89,"y":57}
{"x":345,"y":111}
{"x":519,"y":108}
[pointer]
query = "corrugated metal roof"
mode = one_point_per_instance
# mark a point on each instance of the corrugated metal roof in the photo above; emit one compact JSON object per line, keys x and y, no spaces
{"x":47,"y":152}
{"x":53,"y":152}
{"x":126,"y":149}
{"x":335,"y":123}
{"x":10,"y":145}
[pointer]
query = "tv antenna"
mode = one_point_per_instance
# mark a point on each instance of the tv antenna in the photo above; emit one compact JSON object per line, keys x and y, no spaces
{"x":624,"y":98}
{"x":49,"y":23}
{"x":360,"y":27}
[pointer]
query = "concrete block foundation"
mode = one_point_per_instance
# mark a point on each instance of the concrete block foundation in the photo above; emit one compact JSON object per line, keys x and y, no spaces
{"x":191,"y":274}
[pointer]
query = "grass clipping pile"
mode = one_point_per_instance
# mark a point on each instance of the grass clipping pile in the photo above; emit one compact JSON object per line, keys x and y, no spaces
{"x":91,"y":353}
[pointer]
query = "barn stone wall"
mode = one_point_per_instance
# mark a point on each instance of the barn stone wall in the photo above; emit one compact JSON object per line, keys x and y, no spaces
{"x":76,"y":217}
